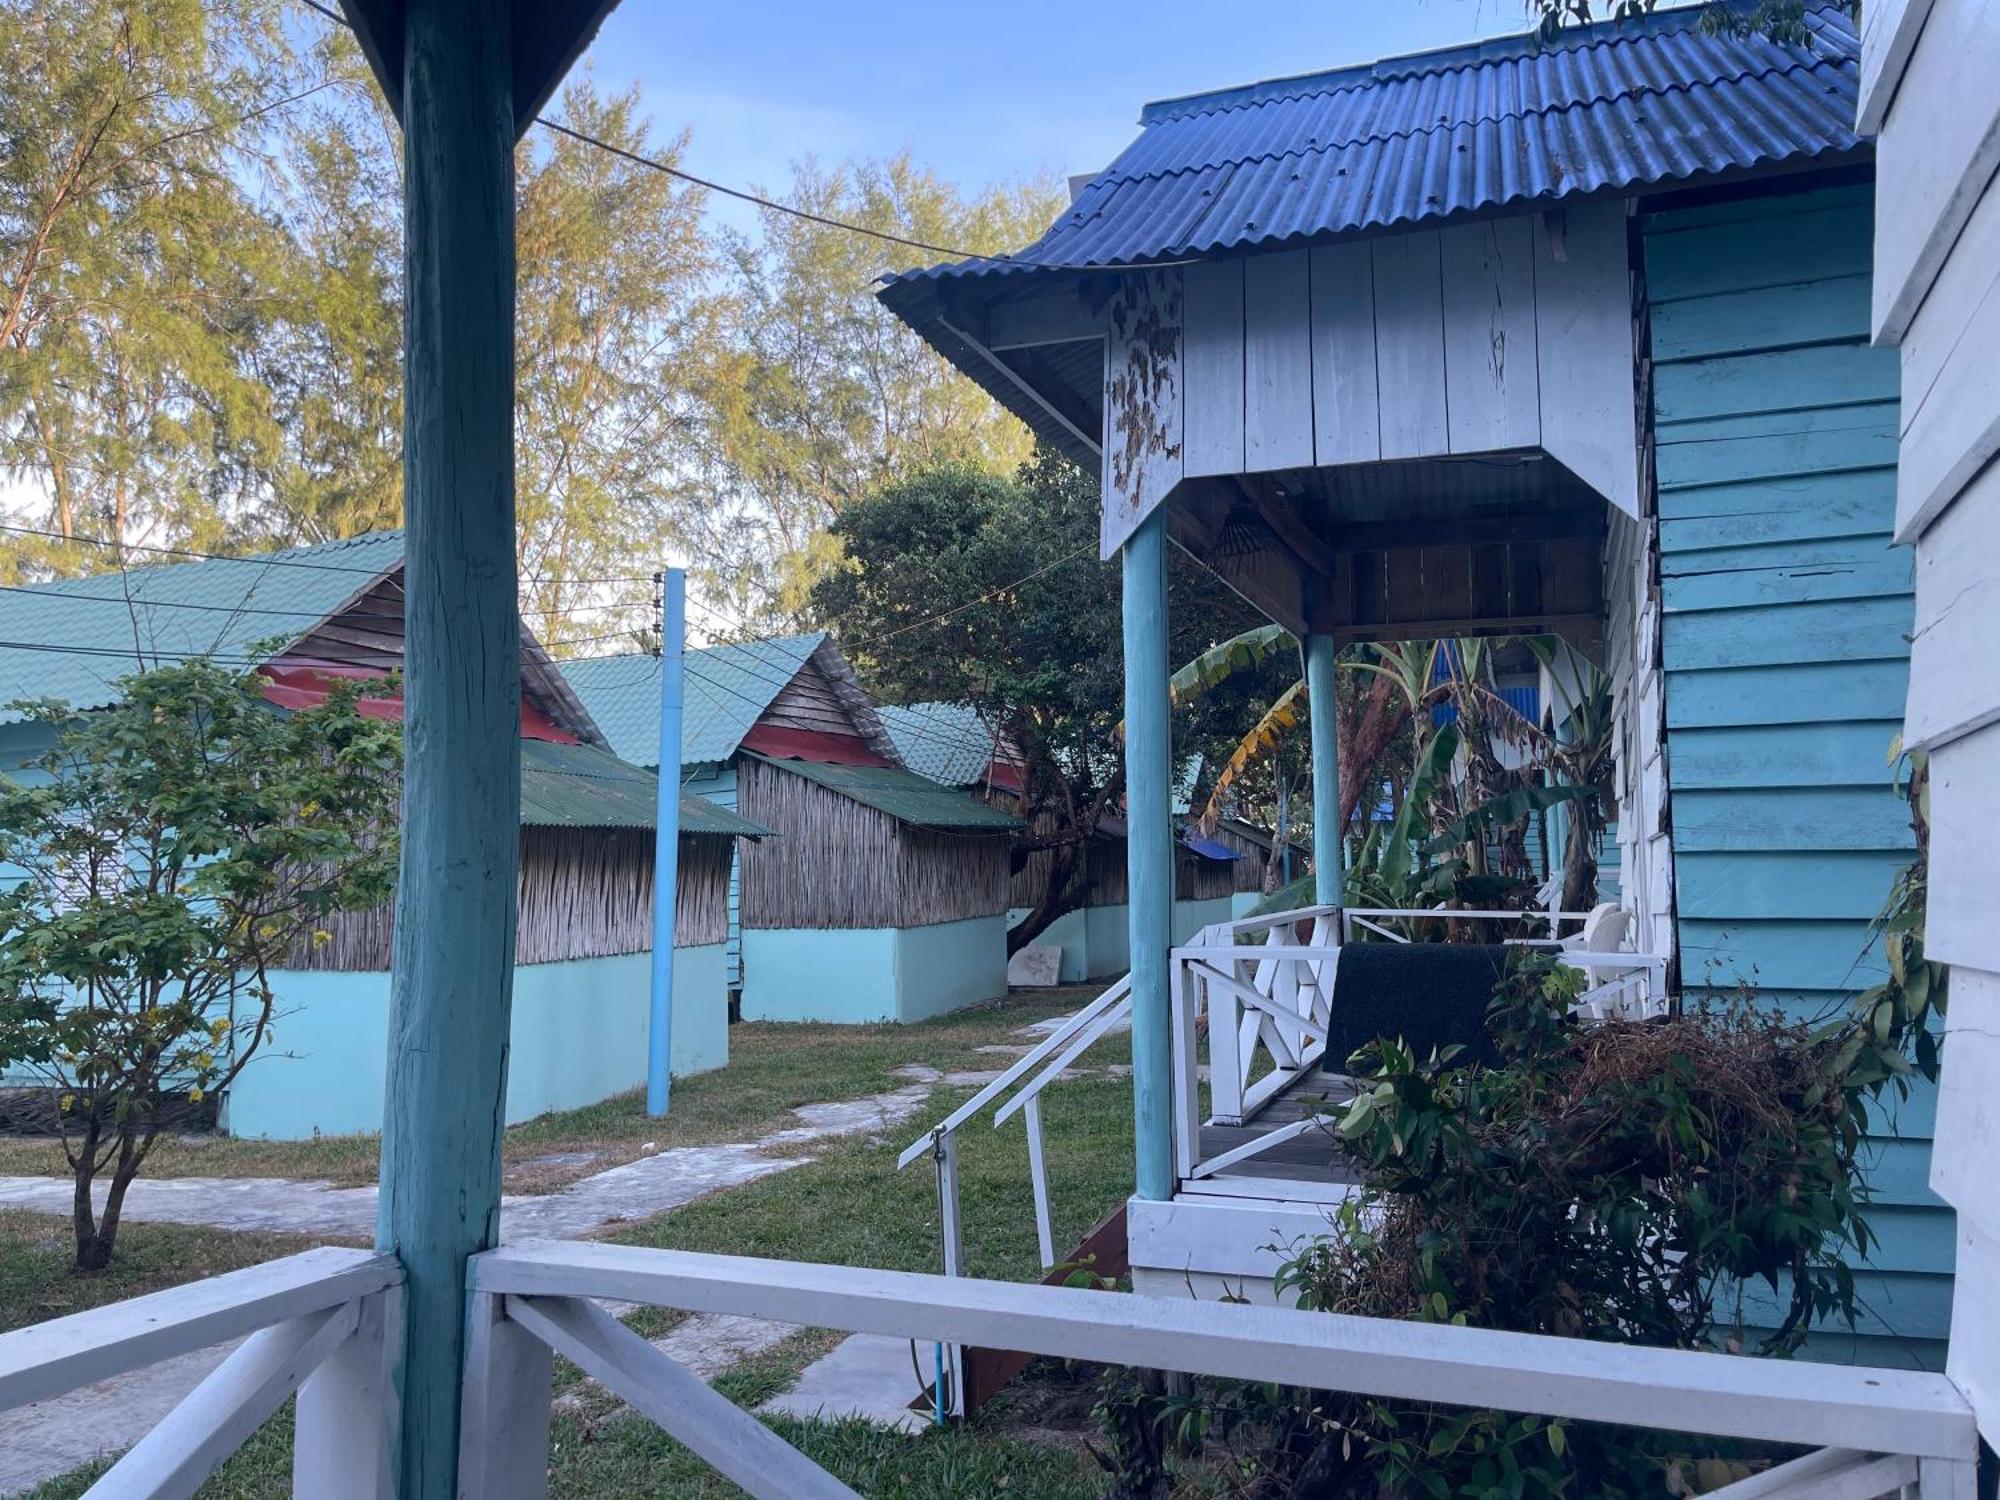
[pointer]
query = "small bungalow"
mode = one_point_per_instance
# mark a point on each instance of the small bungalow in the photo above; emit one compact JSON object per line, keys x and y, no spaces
{"x":951,"y":744}
{"x":884,"y":896}
{"x":1525,"y":337}
{"x":1261,"y":865}
{"x":587,"y":818}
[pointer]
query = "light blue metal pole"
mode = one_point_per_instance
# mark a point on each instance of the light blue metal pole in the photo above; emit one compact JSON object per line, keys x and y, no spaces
{"x":666,"y":842}
{"x":1329,"y":858}
{"x":1149,"y":851}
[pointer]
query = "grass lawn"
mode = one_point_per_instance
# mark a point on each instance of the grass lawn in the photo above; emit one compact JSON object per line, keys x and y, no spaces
{"x":773,"y":1068}
{"x":849,"y":1206}
{"x":37,"y":1279}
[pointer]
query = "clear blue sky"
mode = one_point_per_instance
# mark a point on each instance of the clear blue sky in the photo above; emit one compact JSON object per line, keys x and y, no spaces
{"x":979,"y":92}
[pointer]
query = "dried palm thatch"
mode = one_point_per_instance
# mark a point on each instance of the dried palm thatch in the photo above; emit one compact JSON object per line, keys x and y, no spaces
{"x":584,"y":893}
{"x":837,"y":863}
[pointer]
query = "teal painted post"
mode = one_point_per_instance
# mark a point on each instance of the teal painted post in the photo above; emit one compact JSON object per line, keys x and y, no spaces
{"x":1329,"y":858}
{"x":1149,"y":851}
{"x":455,"y":897}
{"x":666,"y":843}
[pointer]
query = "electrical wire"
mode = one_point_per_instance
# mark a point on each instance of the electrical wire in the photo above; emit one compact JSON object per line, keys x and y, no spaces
{"x":744,"y":195}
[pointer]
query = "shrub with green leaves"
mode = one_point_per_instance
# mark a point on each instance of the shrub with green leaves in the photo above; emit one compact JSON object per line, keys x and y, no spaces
{"x":174,"y":847}
{"x":1613,"y":1181}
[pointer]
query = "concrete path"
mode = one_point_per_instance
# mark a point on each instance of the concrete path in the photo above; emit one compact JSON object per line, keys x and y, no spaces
{"x":868,"y":1376}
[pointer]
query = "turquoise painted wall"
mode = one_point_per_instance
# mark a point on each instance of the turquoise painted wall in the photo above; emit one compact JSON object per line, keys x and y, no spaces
{"x":717,"y":783}
{"x":1786,"y":610}
{"x":578,"y":1035}
{"x":848,"y":975}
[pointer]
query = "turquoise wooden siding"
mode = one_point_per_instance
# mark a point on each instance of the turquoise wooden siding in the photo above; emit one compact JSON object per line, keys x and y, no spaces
{"x":1784,"y":641}
{"x":717,"y":784}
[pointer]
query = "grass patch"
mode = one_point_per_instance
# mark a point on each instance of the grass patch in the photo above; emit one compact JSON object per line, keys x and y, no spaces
{"x":773,"y":1069}
{"x":852,"y":1207}
{"x":38,"y":1279}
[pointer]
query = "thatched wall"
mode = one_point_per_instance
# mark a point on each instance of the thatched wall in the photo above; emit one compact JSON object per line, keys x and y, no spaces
{"x":585,"y":893}
{"x":1248,"y":873}
{"x":1195,"y":879}
{"x":836,"y":863}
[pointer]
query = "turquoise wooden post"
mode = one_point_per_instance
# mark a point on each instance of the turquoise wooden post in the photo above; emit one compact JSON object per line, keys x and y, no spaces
{"x":1149,"y":852}
{"x":1329,"y":857}
{"x":666,"y":843}
{"x":455,"y":898}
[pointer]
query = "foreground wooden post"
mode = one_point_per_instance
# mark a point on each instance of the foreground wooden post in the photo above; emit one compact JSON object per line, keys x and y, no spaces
{"x":666,"y":845}
{"x":455,"y":899}
{"x":1149,"y":851}
{"x":1322,"y":669}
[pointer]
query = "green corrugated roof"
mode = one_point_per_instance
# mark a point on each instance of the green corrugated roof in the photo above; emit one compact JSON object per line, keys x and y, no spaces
{"x":583,"y":786}
{"x":71,"y":641}
{"x":727,"y":688}
{"x":944,"y":741}
{"x":903,"y":795}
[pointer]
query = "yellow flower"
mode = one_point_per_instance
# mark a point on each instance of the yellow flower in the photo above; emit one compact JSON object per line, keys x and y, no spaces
{"x":194,"y":1096}
{"x":68,"y":1103}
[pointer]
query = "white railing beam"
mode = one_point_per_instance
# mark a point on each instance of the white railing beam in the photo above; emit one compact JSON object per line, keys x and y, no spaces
{"x":683,"y":1405}
{"x":50,"y":1358}
{"x":344,"y":1433}
{"x":1038,"y":1178}
{"x":1080,"y":1042}
{"x":504,"y":1407}
{"x":1872,"y":1410}
{"x":217,"y":1417}
{"x":1015,"y":1072}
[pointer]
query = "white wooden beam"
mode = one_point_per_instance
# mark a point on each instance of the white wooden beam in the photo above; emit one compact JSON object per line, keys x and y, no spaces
{"x":504,"y":1407}
{"x":218,"y":1416}
{"x":1878,"y":1410}
{"x":724,"y":1436}
{"x":344,"y":1437}
{"x":49,"y":1358}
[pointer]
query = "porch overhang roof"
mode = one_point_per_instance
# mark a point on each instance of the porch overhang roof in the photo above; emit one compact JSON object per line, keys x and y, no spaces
{"x":1617,"y":108}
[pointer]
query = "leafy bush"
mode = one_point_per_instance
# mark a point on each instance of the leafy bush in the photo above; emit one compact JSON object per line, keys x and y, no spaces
{"x":1607,"y":1181}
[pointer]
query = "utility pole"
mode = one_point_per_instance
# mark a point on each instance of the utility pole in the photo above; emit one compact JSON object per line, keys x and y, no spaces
{"x":666,"y":842}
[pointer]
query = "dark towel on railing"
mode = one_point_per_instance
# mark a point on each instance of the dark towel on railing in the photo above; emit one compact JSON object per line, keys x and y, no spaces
{"x":1432,"y":995}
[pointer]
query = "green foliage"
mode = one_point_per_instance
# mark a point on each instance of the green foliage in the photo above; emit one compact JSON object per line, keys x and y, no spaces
{"x":1781,"y":21}
{"x":1604,"y":1181}
{"x":170,"y":851}
{"x":960,"y":586}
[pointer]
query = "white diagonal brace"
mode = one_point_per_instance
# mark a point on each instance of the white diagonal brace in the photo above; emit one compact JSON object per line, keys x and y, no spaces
{"x":217,"y":1417}
{"x":724,"y":1436}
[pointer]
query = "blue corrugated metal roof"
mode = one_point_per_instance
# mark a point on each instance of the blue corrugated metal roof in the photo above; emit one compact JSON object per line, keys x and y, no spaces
{"x":727,"y":688}
{"x":71,"y":641}
{"x":1471,"y":129}
{"x":947,"y":742}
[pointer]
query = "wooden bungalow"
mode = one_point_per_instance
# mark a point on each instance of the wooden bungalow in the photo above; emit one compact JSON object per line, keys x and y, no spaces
{"x":585,"y":880}
{"x":1593,"y":362}
{"x":884,"y":895}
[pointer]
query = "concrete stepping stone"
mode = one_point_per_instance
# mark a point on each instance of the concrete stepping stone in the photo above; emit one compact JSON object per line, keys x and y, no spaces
{"x":868,"y":1376}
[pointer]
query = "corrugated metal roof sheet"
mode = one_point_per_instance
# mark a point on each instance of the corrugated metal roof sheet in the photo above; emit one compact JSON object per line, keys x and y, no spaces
{"x":71,"y":641}
{"x":726,"y":688}
{"x":903,"y":795}
{"x":946,"y":742}
{"x":583,"y":786}
{"x":1613,"y":106}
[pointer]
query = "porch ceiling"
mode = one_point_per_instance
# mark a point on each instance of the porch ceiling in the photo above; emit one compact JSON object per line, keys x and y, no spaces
{"x":1503,"y":544}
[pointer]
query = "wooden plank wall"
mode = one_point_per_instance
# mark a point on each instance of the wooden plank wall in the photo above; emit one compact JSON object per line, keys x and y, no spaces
{"x":1927,"y":71}
{"x":1500,"y":334}
{"x":1784,"y":645}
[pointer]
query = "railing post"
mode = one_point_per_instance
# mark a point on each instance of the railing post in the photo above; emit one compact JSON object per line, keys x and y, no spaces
{"x":504,"y":1418}
{"x":1225,"y":1058}
{"x":1038,"y":1179}
{"x":346,"y":1430}
{"x":951,"y":1229}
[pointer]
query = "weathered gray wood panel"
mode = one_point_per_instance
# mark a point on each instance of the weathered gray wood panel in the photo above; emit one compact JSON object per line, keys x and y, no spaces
{"x":1277,"y":362}
{"x":1409,"y":348}
{"x":1492,"y":390}
{"x":1213,"y":290}
{"x":1583,"y":320}
{"x":1143,"y":386}
{"x":1347,"y":424}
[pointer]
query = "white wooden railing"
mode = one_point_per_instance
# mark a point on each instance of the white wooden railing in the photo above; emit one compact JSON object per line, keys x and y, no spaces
{"x":1875,"y":1433}
{"x":324,"y":1324}
{"x":1261,"y":991}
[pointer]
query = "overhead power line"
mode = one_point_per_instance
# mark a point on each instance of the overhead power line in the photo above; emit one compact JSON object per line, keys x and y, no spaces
{"x":745,"y":195}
